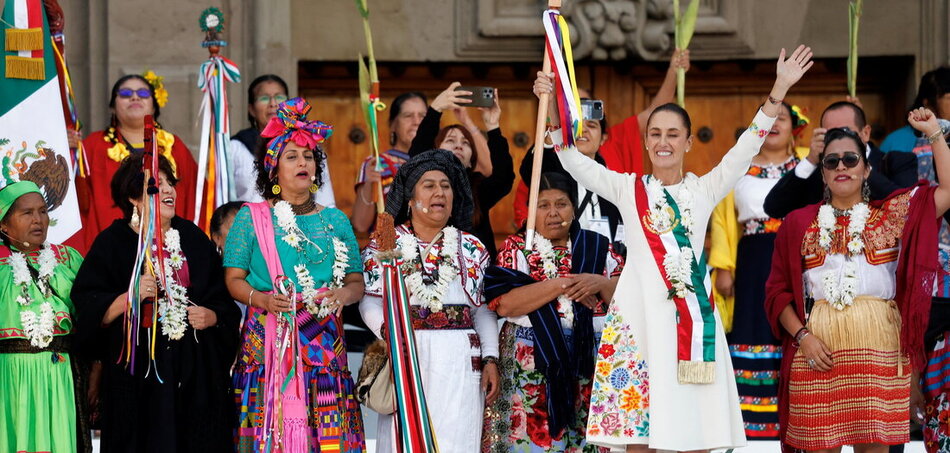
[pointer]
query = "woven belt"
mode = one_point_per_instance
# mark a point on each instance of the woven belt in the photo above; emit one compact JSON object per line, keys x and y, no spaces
{"x":60,"y":344}
{"x":451,"y":317}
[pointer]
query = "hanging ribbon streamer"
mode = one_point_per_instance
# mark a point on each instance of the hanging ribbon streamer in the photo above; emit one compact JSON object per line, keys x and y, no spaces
{"x":369,"y":96}
{"x":558,"y":42}
{"x":56,"y":19}
{"x":150,"y":240}
{"x":214,"y":153}
{"x":215,"y":186}
{"x":413,"y":432}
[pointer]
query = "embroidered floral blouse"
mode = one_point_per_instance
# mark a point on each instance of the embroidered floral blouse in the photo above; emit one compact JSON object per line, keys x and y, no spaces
{"x":876,"y":267}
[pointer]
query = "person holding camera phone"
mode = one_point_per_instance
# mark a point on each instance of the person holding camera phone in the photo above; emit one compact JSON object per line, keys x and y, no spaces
{"x":486,"y":160}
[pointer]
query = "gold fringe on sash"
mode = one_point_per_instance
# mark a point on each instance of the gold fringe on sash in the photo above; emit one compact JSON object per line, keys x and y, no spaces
{"x":696,"y":372}
{"x":19,"y":39}
{"x":869,"y":323}
{"x":25,"y":68}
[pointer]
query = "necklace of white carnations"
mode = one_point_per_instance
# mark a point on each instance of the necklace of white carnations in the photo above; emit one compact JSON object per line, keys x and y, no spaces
{"x":431,"y":293}
{"x":841,"y":291}
{"x":549,"y":266}
{"x":38,"y":329}
{"x":295,"y":237}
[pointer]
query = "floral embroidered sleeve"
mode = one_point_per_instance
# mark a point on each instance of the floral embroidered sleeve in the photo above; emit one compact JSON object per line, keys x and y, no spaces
{"x":371,"y":271}
{"x":475,"y":259}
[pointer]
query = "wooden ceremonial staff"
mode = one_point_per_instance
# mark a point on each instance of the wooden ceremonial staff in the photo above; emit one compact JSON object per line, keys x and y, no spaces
{"x":543,"y":100}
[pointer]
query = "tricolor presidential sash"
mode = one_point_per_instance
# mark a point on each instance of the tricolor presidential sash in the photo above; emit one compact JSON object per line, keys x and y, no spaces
{"x":686,"y":284}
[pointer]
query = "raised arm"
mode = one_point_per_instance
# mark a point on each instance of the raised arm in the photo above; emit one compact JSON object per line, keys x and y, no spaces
{"x":735,"y":163}
{"x":667,"y":90}
{"x":925,"y":121}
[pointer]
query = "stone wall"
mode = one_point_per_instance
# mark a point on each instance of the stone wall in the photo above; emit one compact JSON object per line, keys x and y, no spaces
{"x":109,"y":38}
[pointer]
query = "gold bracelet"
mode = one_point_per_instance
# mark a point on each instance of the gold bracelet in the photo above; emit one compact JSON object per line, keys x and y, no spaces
{"x":933,"y":137}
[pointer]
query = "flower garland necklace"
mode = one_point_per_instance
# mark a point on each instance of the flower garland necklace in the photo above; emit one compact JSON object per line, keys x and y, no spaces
{"x":430,"y":294}
{"x":545,"y":248}
{"x":39,"y":330}
{"x":172,"y":307}
{"x":840,"y":293}
{"x":678,"y":264}
{"x":296,"y":238}
{"x":661,"y":215}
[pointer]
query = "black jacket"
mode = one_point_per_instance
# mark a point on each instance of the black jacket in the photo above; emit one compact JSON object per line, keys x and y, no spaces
{"x":889,"y":172}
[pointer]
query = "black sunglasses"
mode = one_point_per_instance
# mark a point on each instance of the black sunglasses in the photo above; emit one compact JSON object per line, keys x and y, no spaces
{"x":126,"y":93}
{"x":850,"y":160}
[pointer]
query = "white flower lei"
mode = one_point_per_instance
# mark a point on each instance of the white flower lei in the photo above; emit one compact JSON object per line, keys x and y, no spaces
{"x":172,"y":308}
{"x":679,"y":270}
{"x":432,"y":295}
{"x":661,"y":214}
{"x":840,"y":293}
{"x":544,"y":247}
{"x":38,"y":330}
{"x":287,"y":220}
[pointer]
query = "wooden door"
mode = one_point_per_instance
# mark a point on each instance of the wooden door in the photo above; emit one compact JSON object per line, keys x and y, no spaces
{"x":721,"y":98}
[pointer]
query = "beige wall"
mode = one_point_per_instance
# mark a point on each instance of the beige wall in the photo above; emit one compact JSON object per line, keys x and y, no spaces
{"x":109,"y":38}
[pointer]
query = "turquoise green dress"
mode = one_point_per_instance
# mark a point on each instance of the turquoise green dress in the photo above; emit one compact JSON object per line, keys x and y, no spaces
{"x":335,"y":422}
{"x":37,"y":402}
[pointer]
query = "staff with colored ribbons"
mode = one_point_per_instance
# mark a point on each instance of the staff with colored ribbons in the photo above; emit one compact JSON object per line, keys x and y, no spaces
{"x":413,"y":427}
{"x":148,"y":234}
{"x":559,"y":57}
{"x":54,"y":15}
{"x":369,"y":97}
{"x":213,"y":155}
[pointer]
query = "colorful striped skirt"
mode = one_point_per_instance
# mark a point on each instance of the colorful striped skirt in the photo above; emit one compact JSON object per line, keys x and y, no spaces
{"x":865,"y":397}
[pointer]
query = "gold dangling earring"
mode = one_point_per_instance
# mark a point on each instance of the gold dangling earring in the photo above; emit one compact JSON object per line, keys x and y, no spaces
{"x":314,"y":188}
{"x":275,"y":189}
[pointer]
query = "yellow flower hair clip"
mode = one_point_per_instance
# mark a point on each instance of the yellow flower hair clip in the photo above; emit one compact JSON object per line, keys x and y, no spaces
{"x":158,"y":84}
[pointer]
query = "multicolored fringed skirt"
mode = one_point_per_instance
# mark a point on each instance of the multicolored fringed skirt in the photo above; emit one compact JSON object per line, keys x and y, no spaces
{"x":333,"y":413}
{"x":517,"y":420}
{"x":756,"y":353}
{"x":866,"y":396}
{"x":935,"y":384}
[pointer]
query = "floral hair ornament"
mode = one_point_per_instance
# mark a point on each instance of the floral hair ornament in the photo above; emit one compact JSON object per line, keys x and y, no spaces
{"x":291,"y":124}
{"x":799,"y":120}
{"x":158,"y":84}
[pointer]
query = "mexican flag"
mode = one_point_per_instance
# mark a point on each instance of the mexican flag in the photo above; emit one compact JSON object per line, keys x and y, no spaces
{"x":33,"y":143}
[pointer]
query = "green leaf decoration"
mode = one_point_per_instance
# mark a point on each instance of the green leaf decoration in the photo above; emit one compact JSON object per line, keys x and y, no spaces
{"x":362,"y":8}
{"x":854,"y":19}
{"x":688,"y":24}
{"x":683,"y":27}
{"x":212,"y":19}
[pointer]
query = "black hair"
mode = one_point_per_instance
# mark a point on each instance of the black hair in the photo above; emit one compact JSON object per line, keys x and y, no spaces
{"x":252,"y":92}
{"x":602,"y":121}
{"x":933,"y":85}
{"x":265,"y":184}
{"x":843,"y":133}
{"x":674,"y":108}
{"x":860,"y":119}
{"x":115,"y":93}
{"x":396,"y":107}
{"x":223,"y":212}
{"x":558,"y":181}
{"x":128,"y":180}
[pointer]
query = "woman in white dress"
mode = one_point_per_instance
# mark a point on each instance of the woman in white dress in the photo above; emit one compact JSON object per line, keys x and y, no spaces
{"x":667,"y":382}
{"x":456,"y":334}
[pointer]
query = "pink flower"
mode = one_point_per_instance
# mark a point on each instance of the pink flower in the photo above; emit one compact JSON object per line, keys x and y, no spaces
{"x":610,"y":422}
{"x":524,"y":354}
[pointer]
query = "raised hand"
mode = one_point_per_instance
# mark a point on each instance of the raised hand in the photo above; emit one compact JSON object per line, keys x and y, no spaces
{"x":680,"y":60}
{"x":923,"y":120}
{"x":788,"y":71}
{"x":491,"y":116}
{"x":450,"y":99}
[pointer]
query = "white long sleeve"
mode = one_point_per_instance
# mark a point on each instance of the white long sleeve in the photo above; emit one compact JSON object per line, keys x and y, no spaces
{"x":244,"y":173}
{"x":593,"y":176}
{"x":371,"y":310}
{"x":325,"y":195}
{"x":486,"y":325}
{"x":716,"y":184}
